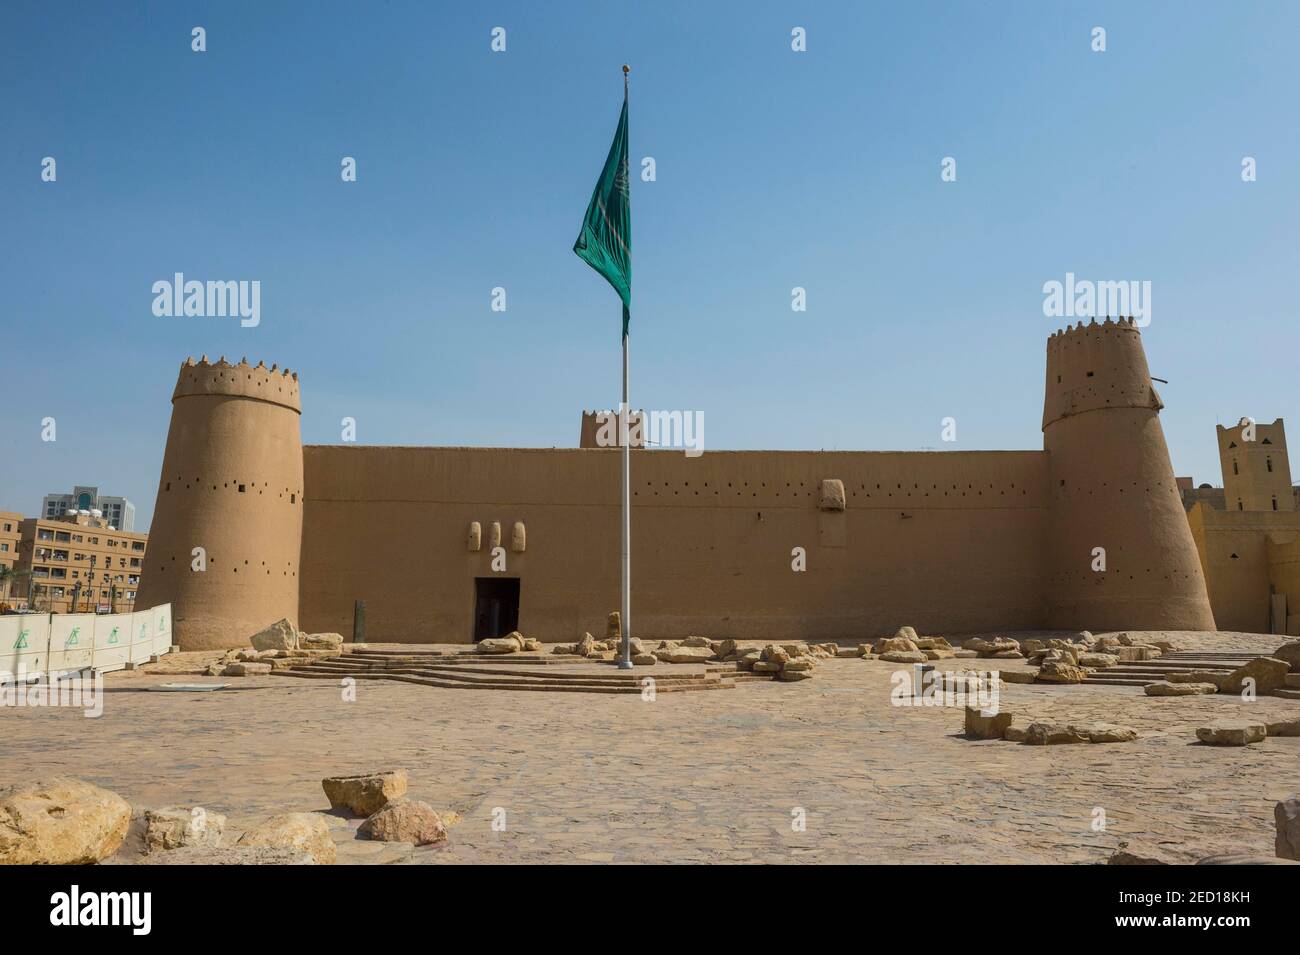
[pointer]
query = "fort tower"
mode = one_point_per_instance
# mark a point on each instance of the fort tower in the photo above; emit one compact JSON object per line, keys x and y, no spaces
{"x":1111,"y":486}
{"x":231,"y":484}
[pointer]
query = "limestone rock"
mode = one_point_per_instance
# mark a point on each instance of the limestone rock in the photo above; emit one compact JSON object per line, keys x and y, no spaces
{"x":866,"y":649}
{"x":1031,"y":646}
{"x":682,"y":654}
{"x":896,"y":645}
{"x":1007,"y":654}
{"x":320,"y":641}
{"x":791,"y":676}
{"x":565,"y":649}
{"x":532,"y":644}
{"x":1014,"y":734}
{"x":1267,"y":672}
{"x":644,"y":659}
{"x":1286,"y":817}
{"x":1289,"y":653}
{"x":906,"y":633}
{"x":495,"y":645}
{"x":1106,"y":733}
{"x":246,"y":669}
{"x":280,"y":635}
{"x":1017,"y":676}
{"x":305,"y":831}
{"x":775,"y":653}
{"x":698,"y":642}
{"x":60,"y":821}
{"x":175,"y":826}
{"x":586,"y":646}
{"x":932,"y":643}
{"x":1098,"y":660}
{"x":766,"y":666}
{"x":986,"y":724}
{"x":614,"y":626}
{"x":938,"y":653}
{"x":964,"y":654}
{"x":725,"y":648}
{"x":1232,"y":733}
{"x":405,"y":820}
{"x":1166,"y":688}
{"x":366,"y":793}
{"x":1137,"y":653}
{"x":848,"y":653}
{"x":798,"y":663}
{"x":1045,"y":734}
{"x":1057,"y":672}
{"x":1284,"y":728}
{"x":905,"y":656}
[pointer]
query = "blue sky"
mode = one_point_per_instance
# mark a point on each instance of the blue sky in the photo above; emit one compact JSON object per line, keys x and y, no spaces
{"x":775,"y":169}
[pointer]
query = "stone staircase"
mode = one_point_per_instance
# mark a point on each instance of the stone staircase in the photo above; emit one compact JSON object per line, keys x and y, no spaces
{"x":458,"y":669}
{"x":1152,"y":671}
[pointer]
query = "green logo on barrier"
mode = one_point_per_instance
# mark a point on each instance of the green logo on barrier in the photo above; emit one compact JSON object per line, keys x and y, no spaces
{"x":162,"y":624}
{"x":22,"y":640}
{"x":72,"y":638}
{"x":112,"y":637}
{"x":143,"y":628}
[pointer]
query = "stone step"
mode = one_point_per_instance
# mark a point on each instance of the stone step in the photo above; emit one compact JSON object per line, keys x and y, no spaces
{"x":510,"y":684}
{"x":1286,"y":693}
{"x":619,"y":678}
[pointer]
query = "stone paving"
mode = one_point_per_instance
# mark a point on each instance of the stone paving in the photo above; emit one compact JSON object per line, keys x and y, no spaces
{"x":691,"y":777}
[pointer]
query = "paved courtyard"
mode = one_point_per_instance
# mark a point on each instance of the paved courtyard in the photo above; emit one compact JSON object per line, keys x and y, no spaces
{"x":712,"y":776}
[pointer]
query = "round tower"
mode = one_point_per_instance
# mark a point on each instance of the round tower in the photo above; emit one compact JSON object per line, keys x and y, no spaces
{"x":227,"y":524}
{"x":1120,"y":549}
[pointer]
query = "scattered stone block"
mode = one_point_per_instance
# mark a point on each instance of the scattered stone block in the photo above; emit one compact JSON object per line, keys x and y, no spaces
{"x":1166,"y":688}
{"x":1017,"y":676}
{"x":895,"y":645}
{"x":1284,"y":728}
{"x":645,"y":659}
{"x":1232,"y":733}
{"x":366,"y":793}
{"x":280,"y":635}
{"x":1048,"y":734}
{"x":1014,"y":734}
{"x":1199,"y":676}
{"x":231,"y":855}
{"x":684,"y":654}
{"x":496,"y":645}
{"x":766,"y":666}
{"x":320,"y":641}
{"x":303,"y":831}
{"x":60,"y":821}
{"x":405,"y":820}
{"x":987,"y":724}
{"x":1267,"y":672}
{"x":932,"y":643}
{"x":791,"y":676}
{"x":175,"y":826}
{"x":846,"y":653}
{"x":1289,"y":653}
{"x":1098,"y":660}
{"x":905,"y":656}
{"x":1055,"y":671}
{"x":1143,"y":853}
{"x":1286,"y":817}
{"x":246,"y":669}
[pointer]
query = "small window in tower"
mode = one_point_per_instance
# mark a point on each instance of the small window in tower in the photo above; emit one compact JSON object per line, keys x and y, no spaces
{"x":1233,"y":556}
{"x":1239,"y":507}
{"x":241,"y":489}
{"x":1234,"y":469}
{"x":293,"y":498}
{"x":1231,"y":445}
{"x":1275,"y":504}
{"x":1089,"y":374}
{"x":1269,"y":463}
{"x":1266,"y":441}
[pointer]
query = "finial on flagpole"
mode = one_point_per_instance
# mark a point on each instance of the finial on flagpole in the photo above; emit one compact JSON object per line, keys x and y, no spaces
{"x":626,"y":69}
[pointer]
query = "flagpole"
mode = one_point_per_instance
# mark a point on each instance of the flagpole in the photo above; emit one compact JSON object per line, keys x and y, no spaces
{"x":625,"y":613}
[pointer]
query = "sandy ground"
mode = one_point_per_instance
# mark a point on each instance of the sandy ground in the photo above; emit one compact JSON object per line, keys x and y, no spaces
{"x":715,"y":776}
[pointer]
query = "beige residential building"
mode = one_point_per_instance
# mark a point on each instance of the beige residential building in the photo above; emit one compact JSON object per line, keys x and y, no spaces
{"x":79,"y":558}
{"x":9,"y":537}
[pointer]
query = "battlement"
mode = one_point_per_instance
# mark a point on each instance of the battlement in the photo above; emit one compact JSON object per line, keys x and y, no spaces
{"x":600,"y":429}
{"x":1095,"y":366}
{"x":242,"y":380}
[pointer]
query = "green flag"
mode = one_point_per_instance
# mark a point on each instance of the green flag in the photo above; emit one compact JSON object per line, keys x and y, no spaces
{"x":605,"y":242}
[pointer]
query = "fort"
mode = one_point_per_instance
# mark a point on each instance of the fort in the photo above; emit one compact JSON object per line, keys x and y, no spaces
{"x":451,"y":544}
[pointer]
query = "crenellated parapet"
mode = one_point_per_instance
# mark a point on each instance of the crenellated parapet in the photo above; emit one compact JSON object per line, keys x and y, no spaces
{"x":1095,"y":366}
{"x":276,"y":385}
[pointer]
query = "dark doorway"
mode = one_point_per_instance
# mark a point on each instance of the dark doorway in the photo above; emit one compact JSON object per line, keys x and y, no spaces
{"x":496,"y":606}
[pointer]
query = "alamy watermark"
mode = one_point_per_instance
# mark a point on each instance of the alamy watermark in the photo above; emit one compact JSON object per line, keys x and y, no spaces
{"x":69,"y":690}
{"x":927,"y":687}
{"x":240,"y":299}
{"x":1086,"y":299}
{"x":652,"y":429}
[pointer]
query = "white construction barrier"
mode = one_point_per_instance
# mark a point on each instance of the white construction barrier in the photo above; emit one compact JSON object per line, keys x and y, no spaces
{"x":141,"y":636}
{"x":36,"y":645}
{"x":72,"y":642}
{"x":24,"y":646}
{"x":162,"y":629}
{"x":112,"y":642}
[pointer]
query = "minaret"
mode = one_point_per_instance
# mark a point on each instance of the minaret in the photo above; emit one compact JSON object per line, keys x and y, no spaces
{"x":1114,"y":501}
{"x":227,"y":526}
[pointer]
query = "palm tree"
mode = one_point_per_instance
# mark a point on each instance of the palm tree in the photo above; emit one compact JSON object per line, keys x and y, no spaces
{"x":8,"y":575}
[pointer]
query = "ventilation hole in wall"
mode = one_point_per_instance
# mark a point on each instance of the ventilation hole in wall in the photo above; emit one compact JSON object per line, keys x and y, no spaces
{"x":168,"y":487}
{"x":241,"y":489}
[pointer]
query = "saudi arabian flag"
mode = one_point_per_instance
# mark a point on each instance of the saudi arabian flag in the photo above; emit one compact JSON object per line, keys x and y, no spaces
{"x":605,"y":242}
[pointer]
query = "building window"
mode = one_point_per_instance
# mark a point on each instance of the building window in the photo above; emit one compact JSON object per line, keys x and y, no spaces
{"x":1234,"y":467}
{"x":1275,"y":503}
{"x":1269,"y":463}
